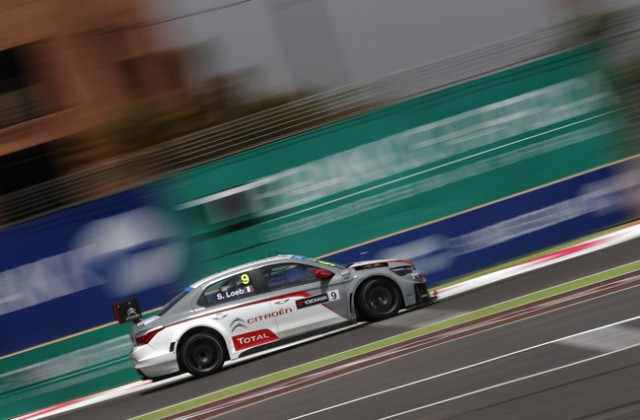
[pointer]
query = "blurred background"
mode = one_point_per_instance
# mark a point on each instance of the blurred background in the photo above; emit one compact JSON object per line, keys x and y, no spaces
{"x":81,"y":87}
{"x":146,"y":143}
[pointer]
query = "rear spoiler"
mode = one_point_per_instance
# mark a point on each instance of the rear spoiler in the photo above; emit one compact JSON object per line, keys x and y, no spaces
{"x":127,"y":310}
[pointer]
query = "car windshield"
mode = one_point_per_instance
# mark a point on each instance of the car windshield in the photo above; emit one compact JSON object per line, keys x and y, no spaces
{"x":173,"y":301}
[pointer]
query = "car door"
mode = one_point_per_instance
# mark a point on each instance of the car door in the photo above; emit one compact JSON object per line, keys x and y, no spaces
{"x":308,"y":302}
{"x":248,"y":318}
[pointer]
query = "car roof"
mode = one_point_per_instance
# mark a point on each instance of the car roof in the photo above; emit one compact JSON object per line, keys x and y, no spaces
{"x":246,"y":267}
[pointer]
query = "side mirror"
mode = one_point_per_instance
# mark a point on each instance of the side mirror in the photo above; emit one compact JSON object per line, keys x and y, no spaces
{"x":128,"y":310}
{"x":322,"y":274}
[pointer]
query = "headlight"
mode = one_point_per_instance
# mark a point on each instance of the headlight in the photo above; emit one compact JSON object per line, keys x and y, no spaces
{"x":403,"y":270}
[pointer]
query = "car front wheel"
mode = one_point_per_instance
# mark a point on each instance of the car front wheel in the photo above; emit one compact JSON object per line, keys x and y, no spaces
{"x":378,"y":299}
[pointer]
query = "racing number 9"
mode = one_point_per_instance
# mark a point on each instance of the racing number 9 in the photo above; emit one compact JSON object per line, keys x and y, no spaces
{"x":333,"y":295}
{"x":245,"y":279}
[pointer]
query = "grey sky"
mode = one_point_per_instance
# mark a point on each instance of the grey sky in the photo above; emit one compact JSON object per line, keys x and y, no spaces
{"x":360,"y":39}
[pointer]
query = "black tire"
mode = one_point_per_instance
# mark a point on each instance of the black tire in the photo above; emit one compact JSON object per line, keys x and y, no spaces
{"x":202,"y":354}
{"x":378,"y":299}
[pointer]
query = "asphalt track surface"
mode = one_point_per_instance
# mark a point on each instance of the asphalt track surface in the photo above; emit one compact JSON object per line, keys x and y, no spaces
{"x":577,"y":377}
{"x":558,"y":401}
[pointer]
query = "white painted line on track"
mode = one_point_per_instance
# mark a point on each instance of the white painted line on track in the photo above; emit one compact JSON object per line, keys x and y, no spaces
{"x":474,"y":365}
{"x":509,"y":382}
{"x":396,"y":357}
{"x":586,"y":248}
{"x":606,"y":340}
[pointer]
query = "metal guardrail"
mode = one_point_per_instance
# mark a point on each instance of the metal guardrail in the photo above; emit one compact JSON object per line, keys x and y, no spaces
{"x":279,"y":122}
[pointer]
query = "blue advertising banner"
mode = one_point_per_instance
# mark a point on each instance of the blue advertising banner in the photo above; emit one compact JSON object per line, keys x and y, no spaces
{"x":60,"y":274}
{"x":510,"y":228}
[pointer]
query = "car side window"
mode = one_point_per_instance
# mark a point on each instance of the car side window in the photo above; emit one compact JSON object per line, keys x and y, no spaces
{"x":281,"y":276}
{"x":234,"y":288}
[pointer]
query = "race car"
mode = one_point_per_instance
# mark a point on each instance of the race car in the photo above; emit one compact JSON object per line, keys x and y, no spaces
{"x":263,"y":305}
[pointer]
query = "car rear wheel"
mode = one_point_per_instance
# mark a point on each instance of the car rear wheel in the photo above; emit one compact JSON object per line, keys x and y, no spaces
{"x":202,"y":354}
{"x":378,"y":299}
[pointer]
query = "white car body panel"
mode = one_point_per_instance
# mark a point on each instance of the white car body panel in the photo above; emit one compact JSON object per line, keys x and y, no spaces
{"x":262,"y":319}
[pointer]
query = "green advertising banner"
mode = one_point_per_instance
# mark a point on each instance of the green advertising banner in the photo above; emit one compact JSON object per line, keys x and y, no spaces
{"x":329,"y":189}
{"x":404,"y":165}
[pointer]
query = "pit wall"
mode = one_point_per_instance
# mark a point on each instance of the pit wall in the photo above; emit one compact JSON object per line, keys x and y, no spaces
{"x":406,"y":165}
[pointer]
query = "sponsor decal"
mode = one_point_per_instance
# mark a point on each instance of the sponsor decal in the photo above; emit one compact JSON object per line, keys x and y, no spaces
{"x":330,"y":296}
{"x":237,"y":324}
{"x":313,"y":300}
{"x":228,"y":294}
{"x":253,"y":339}
{"x":269,"y":315}
{"x":333,"y":295}
{"x":245,"y":279}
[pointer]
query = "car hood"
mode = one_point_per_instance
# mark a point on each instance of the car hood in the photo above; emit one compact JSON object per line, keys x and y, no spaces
{"x":370,"y":262}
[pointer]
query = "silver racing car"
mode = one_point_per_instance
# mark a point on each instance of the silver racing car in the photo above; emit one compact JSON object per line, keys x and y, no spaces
{"x":264,"y":305}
